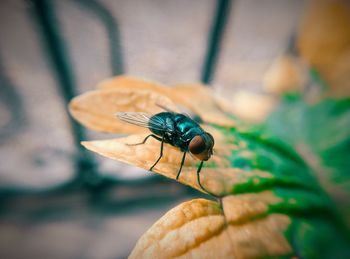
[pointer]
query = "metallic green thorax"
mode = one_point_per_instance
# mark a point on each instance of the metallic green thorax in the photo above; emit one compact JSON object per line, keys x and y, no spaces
{"x":178,"y":129}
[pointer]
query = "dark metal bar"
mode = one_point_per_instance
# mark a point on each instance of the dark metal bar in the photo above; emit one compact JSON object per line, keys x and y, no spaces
{"x":112,"y":29}
{"x":49,"y":31}
{"x":214,"y":39}
{"x":12,"y":101}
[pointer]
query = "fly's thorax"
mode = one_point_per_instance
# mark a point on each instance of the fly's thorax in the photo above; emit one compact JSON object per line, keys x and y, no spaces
{"x":186,"y":128}
{"x":201,"y":146}
{"x":185,"y":124}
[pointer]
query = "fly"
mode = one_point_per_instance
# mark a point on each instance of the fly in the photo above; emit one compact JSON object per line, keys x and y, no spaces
{"x":177,"y":130}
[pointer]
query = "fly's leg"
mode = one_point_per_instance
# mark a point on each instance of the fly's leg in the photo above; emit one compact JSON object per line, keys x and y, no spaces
{"x":161,"y":151}
{"x":182,"y":163}
{"x":199,"y":181}
{"x":144,"y":141}
{"x":161,"y":147}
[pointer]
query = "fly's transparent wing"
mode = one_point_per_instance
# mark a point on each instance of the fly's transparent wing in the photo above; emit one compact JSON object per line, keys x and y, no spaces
{"x":142,"y":119}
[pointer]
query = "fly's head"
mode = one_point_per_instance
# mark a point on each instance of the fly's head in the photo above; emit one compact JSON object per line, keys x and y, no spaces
{"x":201,"y":146}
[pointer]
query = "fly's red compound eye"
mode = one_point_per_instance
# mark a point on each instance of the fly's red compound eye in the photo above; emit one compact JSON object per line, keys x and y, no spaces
{"x":197,"y":145}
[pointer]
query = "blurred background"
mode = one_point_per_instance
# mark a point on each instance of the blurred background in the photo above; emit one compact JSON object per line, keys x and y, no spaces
{"x":58,"y":200}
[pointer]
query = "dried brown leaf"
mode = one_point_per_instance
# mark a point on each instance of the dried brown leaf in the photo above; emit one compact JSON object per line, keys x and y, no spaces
{"x":287,"y":74}
{"x":252,"y":107}
{"x":200,"y":229}
{"x":133,"y":83}
{"x":96,"y":109}
{"x":324,"y":42}
{"x":244,"y":207}
{"x":195,"y":97}
{"x":201,"y":100}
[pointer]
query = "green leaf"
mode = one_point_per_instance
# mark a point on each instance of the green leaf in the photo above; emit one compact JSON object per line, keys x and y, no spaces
{"x":320,"y":134}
